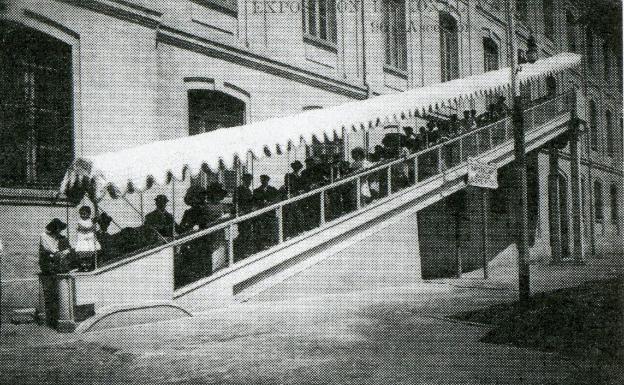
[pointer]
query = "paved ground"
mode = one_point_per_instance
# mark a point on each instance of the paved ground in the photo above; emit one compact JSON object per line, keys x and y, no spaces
{"x":390,"y":335}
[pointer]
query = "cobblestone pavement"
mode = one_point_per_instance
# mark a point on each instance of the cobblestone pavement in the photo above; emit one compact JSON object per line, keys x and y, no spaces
{"x":389,"y":335}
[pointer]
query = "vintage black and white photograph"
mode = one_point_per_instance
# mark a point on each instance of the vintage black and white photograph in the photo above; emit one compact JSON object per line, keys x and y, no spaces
{"x":358,"y":192}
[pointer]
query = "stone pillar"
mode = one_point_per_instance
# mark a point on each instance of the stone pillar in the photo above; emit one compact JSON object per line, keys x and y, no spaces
{"x":65,"y":302}
{"x":575,"y":180}
{"x":553,"y":203}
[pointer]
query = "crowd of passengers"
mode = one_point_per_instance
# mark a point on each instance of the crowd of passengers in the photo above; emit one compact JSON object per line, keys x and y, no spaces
{"x":207,"y":206}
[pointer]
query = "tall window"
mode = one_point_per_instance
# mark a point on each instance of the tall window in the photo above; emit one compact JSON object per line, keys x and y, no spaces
{"x":36,"y":102}
{"x":590,"y":48}
{"x":320,"y":19}
{"x":606,"y":61}
{"x":522,"y":9}
{"x":614,"y":204}
{"x":571,"y":31}
{"x":449,"y":48}
{"x":209,"y":111}
{"x":549,"y":17}
{"x":490,"y":54}
{"x":593,"y":125}
{"x":598,"y":207}
{"x":609,"y":132}
{"x":395,"y":34}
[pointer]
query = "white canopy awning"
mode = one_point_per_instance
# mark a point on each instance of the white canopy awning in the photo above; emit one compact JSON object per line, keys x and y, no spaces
{"x":137,"y":168}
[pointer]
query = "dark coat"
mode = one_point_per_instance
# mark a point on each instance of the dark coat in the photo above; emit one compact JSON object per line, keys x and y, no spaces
{"x":161,"y":221}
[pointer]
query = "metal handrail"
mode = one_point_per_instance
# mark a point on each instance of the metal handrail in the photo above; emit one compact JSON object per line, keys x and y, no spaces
{"x":278,"y":206}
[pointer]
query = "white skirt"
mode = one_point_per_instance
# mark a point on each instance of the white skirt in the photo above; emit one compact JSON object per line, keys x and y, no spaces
{"x":87,"y":242}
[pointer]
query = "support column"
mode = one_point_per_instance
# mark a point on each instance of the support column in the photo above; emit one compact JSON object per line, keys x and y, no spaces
{"x":484,"y":231}
{"x":554,"y":215}
{"x":575,"y":179}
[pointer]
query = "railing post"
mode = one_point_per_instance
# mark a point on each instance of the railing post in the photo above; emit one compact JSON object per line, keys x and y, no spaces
{"x":440,"y":168}
{"x":415,"y":170}
{"x":389,"y":176}
{"x":231,"y":244}
{"x":322,"y":198}
{"x":358,"y":193}
{"x":280,"y":223}
{"x":461,"y":150}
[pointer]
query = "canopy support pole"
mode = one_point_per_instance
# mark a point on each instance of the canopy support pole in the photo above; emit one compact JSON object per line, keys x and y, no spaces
{"x":173,"y":207}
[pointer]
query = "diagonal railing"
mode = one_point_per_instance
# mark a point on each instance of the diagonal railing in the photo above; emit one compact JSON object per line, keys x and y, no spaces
{"x":233,"y":240}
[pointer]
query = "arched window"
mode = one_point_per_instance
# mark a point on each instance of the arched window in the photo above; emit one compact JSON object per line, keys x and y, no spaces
{"x":590,"y":47}
{"x":606,"y":61}
{"x":571,"y":31}
{"x":490,"y":54}
{"x":549,"y":17}
{"x":320,"y":19}
{"x":598,"y":207}
{"x":613,"y":194}
{"x":609,"y":132}
{"x":449,"y":47}
{"x":36,"y":108}
{"x":593,"y":125}
{"x":395,"y":34}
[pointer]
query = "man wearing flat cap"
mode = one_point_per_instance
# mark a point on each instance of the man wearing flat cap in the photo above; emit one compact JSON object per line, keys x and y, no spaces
{"x":160,"y":219}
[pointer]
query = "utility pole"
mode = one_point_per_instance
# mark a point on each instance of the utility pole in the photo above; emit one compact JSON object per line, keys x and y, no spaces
{"x":521,"y":220}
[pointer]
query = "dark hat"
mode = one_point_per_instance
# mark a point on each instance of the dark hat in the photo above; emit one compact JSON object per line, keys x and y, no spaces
{"x":194,"y":195}
{"x":161,"y":198}
{"x":216,"y":191}
{"x":264,"y":177}
{"x":296,"y":165}
{"x":104,"y":219}
{"x":56,"y":225}
{"x":247,"y":177}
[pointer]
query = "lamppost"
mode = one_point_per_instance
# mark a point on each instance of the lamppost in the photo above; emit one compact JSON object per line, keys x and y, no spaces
{"x":521,"y":221}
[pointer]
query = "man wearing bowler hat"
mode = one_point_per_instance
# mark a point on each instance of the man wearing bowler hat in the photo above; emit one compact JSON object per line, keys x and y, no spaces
{"x":265,"y":225}
{"x":160,"y":219}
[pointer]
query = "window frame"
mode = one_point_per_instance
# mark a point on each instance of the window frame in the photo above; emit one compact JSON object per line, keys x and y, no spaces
{"x":609,"y":133}
{"x":548,"y":7}
{"x":449,"y":39}
{"x":395,"y":36}
{"x":522,"y":10}
{"x":571,"y":32}
{"x":45,"y":133}
{"x":313,"y":32}
{"x":593,"y":125}
{"x":589,"y":44}
{"x":598,"y":202}
{"x":613,"y":197}
{"x":606,"y":62}
{"x":495,"y":53}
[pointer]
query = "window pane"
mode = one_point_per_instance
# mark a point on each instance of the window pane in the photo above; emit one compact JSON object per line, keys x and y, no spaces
{"x":331,"y":21}
{"x":312,"y":12}
{"x":322,"y":19}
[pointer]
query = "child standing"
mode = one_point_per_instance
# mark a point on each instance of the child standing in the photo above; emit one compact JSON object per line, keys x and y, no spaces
{"x":86,"y":242}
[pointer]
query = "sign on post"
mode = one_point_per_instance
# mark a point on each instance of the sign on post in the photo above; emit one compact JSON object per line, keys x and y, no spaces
{"x":482,"y":174}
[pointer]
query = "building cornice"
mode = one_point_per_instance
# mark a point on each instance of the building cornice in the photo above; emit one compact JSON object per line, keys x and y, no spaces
{"x":120,"y":9}
{"x":247,"y":58}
